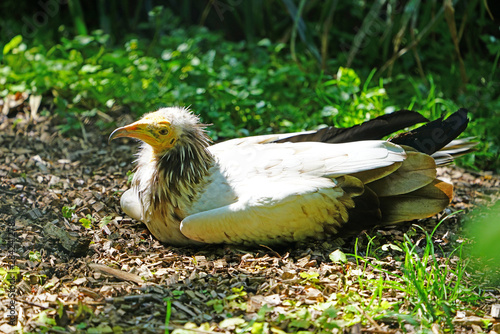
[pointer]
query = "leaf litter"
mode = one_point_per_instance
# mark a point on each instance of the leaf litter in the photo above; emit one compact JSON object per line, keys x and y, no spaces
{"x":113,"y":276}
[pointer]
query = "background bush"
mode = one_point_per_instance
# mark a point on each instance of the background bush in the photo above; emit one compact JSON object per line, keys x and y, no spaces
{"x":253,"y":67}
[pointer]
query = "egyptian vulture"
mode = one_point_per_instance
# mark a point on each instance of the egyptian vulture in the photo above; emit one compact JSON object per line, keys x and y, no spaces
{"x":288,"y":187}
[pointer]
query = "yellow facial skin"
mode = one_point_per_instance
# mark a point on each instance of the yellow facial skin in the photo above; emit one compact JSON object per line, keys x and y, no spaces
{"x":153,"y":131}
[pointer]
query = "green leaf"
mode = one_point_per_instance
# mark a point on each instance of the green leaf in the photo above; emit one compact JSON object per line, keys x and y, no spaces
{"x":257,"y":328}
{"x":330,"y":312}
{"x":218,"y":307}
{"x":67,"y":211}
{"x":104,"y":329}
{"x":217,"y":304}
{"x":386,"y":247}
{"x":105,"y":221}
{"x":43,"y":318}
{"x":14,"y":43}
{"x":130,"y":177}
{"x":89,"y":69}
{"x":309,"y":275}
{"x":87,"y":223}
{"x":167,"y":315}
{"x":485,"y":229}
{"x":35,"y":256}
{"x":338,"y":256}
{"x":231,"y":322}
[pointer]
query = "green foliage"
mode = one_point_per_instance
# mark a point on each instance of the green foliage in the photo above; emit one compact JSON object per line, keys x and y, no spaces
{"x":242,"y":89}
{"x":105,"y":221}
{"x":234,"y":301}
{"x":217,"y":304}
{"x":35,"y":256}
{"x":87,"y":221}
{"x":258,"y":86}
{"x":168,"y":314}
{"x":130,"y":177}
{"x":14,"y":43}
{"x":34,"y":278}
{"x":436,"y":290}
{"x":44,"y":318}
{"x":483,"y":227}
{"x":435,"y":287}
{"x":177,"y":293}
{"x":9,"y":276}
{"x":68,"y":211}
{"x":338,"y":256}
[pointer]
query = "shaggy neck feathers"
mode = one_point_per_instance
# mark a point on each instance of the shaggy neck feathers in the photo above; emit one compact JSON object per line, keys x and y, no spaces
{"x":178,"y":174}
{"x":182,"y":168}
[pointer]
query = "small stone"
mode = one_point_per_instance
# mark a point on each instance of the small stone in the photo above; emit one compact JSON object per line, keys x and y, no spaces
{"x":71,"y":241}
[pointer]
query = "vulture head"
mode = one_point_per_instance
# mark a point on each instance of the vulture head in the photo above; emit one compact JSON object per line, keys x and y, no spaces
{"x":165,"y":130}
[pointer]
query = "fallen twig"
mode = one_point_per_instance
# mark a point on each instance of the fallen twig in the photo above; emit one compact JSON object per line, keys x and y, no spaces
{"x":117,"y":273}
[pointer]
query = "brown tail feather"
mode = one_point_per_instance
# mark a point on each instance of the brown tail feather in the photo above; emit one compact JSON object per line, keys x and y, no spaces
{"x":371,"y":210}
{"x":422,"y":203}
{"x":417,"y":171}
{"x":388,"y":197}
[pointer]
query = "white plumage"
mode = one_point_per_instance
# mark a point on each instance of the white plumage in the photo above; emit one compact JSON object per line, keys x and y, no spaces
{"x":252,"y":190}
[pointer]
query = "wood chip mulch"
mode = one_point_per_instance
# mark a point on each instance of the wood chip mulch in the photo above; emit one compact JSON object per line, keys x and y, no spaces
{"x":115,"y":277}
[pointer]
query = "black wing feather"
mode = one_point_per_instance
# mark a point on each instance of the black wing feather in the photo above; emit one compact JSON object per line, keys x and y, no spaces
{"x":374,"y":129}
{"x":434,"y":135}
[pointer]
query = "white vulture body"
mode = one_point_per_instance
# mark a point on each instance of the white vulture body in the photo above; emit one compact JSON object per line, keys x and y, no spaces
{"x":260,"y":190}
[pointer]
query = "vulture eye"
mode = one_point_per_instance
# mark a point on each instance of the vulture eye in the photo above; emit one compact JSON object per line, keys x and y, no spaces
{"x":163,"y":132}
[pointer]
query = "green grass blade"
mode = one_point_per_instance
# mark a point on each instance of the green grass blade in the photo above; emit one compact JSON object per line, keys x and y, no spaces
{"x":168,"y":314}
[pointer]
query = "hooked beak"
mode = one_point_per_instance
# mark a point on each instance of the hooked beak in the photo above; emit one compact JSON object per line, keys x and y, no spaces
{"x":134,"y":130}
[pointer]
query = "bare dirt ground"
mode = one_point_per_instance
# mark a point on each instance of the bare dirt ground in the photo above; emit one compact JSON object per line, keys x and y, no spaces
{"x":115,"y":277}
